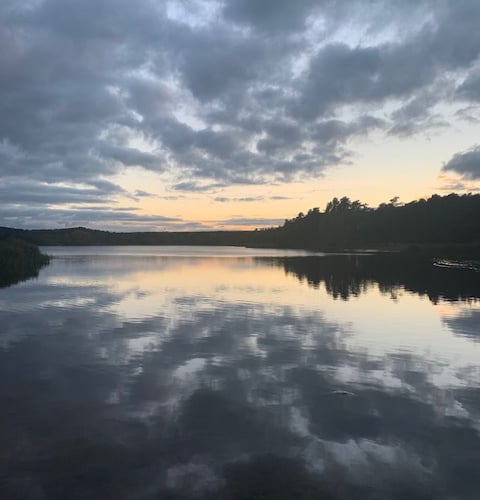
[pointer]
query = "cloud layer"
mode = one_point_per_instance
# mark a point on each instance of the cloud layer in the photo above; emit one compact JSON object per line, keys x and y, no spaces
{"x":208,"y":93}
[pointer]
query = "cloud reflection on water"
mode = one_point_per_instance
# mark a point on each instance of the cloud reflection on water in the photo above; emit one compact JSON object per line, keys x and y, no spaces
{"x":147,"y":377}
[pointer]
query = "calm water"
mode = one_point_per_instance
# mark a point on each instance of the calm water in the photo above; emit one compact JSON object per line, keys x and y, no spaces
{"x":181,"y":373}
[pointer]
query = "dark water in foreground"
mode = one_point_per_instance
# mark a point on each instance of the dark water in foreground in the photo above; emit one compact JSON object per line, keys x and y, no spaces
{"x":169,"y":373}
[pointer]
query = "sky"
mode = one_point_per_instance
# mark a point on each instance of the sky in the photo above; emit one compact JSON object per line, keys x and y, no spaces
{"x":153,"y":115}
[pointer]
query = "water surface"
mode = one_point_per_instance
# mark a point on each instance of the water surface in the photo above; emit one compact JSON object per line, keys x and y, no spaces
{"x":217,"y":372}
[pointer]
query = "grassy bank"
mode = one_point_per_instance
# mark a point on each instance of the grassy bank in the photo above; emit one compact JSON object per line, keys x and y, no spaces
{"x":19,"y":261}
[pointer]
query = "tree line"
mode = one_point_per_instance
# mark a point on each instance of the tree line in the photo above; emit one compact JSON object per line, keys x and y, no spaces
{"x":345,"y":224}
{"x":451,"y":222}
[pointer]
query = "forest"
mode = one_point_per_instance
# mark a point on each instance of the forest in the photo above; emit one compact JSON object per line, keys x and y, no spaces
{"x":452,"y":221}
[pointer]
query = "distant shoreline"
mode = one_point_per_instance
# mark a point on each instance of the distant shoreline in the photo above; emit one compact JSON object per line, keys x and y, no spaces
{"x":248,"y":239}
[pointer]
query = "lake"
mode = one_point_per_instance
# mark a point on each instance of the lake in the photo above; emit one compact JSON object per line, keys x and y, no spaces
{"x":231,"y":373}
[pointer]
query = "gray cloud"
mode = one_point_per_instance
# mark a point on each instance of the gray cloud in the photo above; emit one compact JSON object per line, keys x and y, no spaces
{"x":248,"y":199}
{"x":195,"y":187}
{"x":451,"y":187}
{"x":470,"y":87}
{"x":241,"y":92}
{"x":131,"y":156}
{"x":418,"y":114}
{"x":465,"y":324}
{"x":139,"y":193}
{"x":217,"y":62}
{"x":32,"y":193}
{"x":100,"y":217}
{"x":250,"y":221}
{"x":469,"y":113}
{"x":219,"y":144}
{"x":467,"y":164}
{"x":340,"y":75}
{"x":269,"y":15}
{"x":29,"y":193}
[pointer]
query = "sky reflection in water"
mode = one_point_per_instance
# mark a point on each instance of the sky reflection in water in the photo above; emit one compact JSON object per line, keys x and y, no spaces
{"x":135,"y":373}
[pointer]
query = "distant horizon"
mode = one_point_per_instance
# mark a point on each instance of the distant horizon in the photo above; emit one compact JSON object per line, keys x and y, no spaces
{"x":395,"y":200}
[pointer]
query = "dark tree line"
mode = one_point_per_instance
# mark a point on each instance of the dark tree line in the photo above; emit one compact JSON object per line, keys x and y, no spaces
{"x":84,"y":236}
{"x":439,"y":220}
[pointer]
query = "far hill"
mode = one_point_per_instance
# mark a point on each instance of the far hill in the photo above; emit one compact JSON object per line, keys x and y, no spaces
{"x":85,"y":236}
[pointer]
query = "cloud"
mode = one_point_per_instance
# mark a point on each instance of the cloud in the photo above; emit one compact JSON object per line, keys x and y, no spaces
{"x":270,"y":15}
{"x":139,"y":193}
{"x":418,"y":115}
{"x":96,"y":217}
{"x":467,"y":164}
{"x":131,"y":156}
{"x":469,"y":114}
{"x":195,"y":187}
{"x":464,"y":324}
{"x":235,"y":92}
{"x":33,"y":193}
{"x":218,"y":144}
{"x":30,"y":204}
{"x":215,"y":62}
{"x":470,"y":87}
{"x":250,"y":221}
{"x":453,"y":186}
{"x":339,"y":75}
{"x":248,"y":199}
